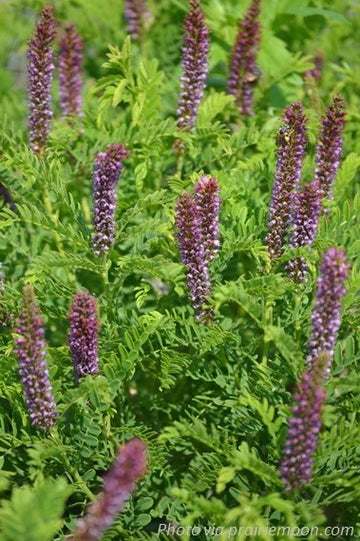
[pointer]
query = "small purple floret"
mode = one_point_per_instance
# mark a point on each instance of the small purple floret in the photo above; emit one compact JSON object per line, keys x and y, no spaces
{"x":70,"y":71}
{"x":34,"y":374}
{"x":244,"y":72}
{"x":120,"y":481}
{"x":40,"y":70}
{"x":108,"y":166}
{"x":83,"y":334}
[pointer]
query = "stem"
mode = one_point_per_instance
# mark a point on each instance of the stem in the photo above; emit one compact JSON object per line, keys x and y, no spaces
{"x":267,"y":320}
{"x":180,"y":164}
{"x":50,"y":212}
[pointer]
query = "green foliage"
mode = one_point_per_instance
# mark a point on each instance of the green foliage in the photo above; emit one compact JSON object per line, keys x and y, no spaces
{"x":211,"y":402}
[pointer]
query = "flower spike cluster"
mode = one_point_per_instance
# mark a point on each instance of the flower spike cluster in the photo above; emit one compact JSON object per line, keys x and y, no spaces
{"x":194,"y":68}
{"x":244,"y":72}
{"x":83,"y":334}
{"x":129,"y":466}
{"x":329,"y":147}
{"x":325,"y":319}
{"x":197,"y":222}
{"x":34,"y":375}
{"x":304,"y":426}
{"x":136,"y":13}
{"x":108,"y":166}
{"x":291,"y":154}
{"x":70,"y":71}
{"x":40,"y":70}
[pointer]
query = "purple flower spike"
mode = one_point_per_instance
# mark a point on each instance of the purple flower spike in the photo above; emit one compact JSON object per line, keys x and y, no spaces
{"x":197,"y":222}
{"x":329,"y":147}
{"x":291,"y":152}
{"x":192,"y":251}
{"x":40,"y":71}
{"x":34,"y":375}
{"x":244,"y":72}
{"x":70,"y":71}
{"x":315,"y":72}
{"x":83,"y":334}
{"x":108,"y":166}
{"x":304,"y":426}
{"x":129,"y":466}
{"x":207,"y":202}
{"x":194,"y":68}
{"x":305,"y":222}
{"x":136,"y":13}
{"x":325,"y":319}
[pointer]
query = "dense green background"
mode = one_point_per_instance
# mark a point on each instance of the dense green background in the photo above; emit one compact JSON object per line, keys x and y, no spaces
{"x":212,"y":403}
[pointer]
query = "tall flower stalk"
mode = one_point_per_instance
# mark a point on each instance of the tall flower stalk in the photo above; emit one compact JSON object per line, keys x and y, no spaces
{"x":244,"y":72}
{"x":83,"y":334}
{"x":136,"y":13}
{"x":129,"y":466}
{"x":325,"y":319}
{"x":197,"y":222}
{"x":329,"y":147}
{"x":70,"y":71}
{"x":194,"y":69}
{"x":304,"y":426}
{"x":291,"y":153}
{"x":34,"y":374}
{"x":40,"y":70}
{"x":108,"y":167}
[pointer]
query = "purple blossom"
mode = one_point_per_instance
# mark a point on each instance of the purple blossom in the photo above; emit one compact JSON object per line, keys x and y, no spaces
{"x":70,"y":71}
{"x":325,"y":319}
{"x":83,"y":334}
{"x":194,"y":68}
{"x":307,"y":206}
{"x":40,"y":71}
{"x":315,"y":72}
{"x":244,"y":72}
{"x":198,"y":238}
{"x":34,"y":374}
{"x":304,"y":426}
{"x":136,"y":13}
{"x":129,"y":466}
{"x":329,"y":147}
{"x":108,"y":166}
{"x":291,"y":152}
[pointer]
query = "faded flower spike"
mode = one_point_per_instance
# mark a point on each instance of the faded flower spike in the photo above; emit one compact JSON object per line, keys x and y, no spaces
{"x":304,"y":426}
{"x":307,"y":206}
{"x":70,"y":71}
{"x":197,"y":222}
{"x":40,"y":71}
{"x":34,"y":374}
{"x":108,"y":166}
{"x":244,"y":72}
{"x":329,"y":147}
{"x":325,"y":319}
{"x":129,"y":466}
{"x":291,"y":144}
{"x":83,"y":334}
{"x":195,"y":68}
{"x":136,"y":13}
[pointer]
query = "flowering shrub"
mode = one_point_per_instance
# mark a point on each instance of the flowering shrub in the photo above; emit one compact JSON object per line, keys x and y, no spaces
{"x":179,"y":270}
